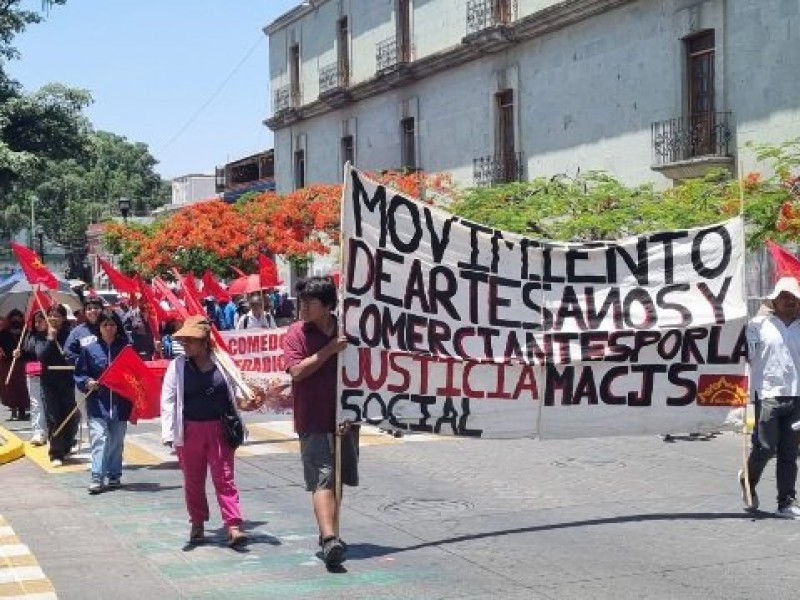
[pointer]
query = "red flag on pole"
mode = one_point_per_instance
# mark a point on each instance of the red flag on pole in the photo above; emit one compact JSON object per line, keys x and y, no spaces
{"x":122,"y":283}
{"x":128,"y":376}
{"x":786,"y":263}
{"x":39,"y":302}
{"x":33,"y":267}
{"x":268,"y":272}
{"x":195,"y":307}
{"x":212,"y":287}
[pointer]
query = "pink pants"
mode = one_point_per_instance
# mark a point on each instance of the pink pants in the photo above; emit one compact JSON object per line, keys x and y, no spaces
{"x":204,"y":448}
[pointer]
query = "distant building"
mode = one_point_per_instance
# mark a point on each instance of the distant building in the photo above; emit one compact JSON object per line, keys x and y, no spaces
{"x":255,"y":173}
{"x":187,"y":190}
{"x":502,"y":90}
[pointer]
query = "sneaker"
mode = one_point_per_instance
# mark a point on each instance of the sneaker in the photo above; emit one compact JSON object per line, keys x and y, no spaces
{"x":341,"y":541}
{"x":114,"y":482}
{"x":790,"y":511}
{"x":95,"y":487}
{"x":56,"y":462}
{"x":236,"y":537}
{"x":753,"y":505}
{"x":37,"y":439}
{"x":197,"y":534}
{"x":332,"y":551}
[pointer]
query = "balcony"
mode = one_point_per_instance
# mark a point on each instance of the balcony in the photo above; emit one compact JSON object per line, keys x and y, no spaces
{"x":487,"y":14}
{"x":390,"y":54}
{"x":286,"y":97}
{"x":497,"y":169}
{"x":333,"y":82}
{"x":690,"y":146}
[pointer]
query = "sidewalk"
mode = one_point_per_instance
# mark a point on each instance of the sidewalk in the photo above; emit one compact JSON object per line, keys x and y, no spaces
{"x":611,"y":518}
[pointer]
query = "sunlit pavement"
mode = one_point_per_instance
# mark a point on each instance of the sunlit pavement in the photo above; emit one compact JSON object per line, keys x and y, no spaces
{"x":603,"y":518}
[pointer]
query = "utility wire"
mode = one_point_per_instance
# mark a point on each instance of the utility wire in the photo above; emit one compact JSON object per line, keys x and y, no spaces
{"x":213,"y":96}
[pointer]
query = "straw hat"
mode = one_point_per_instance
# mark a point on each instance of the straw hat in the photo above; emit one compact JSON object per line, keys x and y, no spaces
{"x":194,"y":327}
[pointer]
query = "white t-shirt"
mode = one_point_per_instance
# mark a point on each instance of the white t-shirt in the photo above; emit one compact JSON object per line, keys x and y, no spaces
{"x":774,"y":352}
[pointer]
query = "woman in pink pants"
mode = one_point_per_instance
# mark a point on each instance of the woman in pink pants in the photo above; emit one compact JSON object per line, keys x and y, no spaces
{"x":195,"y":394}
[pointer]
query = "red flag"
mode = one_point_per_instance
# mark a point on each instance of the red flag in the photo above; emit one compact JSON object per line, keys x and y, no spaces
{"x":212,"y":287}
{"x":120,"y":282}
{"x":39,"y":302}
{"x":156,"y":314}
{"x":33,"y":267}
{"x":128,"y":376}
{"x":786,"y":263}
{"x":268,"y":272}
{"x":195,"y":307}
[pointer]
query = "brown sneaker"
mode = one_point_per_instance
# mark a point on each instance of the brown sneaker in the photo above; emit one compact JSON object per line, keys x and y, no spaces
{"x":197,"y":535}
{"x":236,"y":537}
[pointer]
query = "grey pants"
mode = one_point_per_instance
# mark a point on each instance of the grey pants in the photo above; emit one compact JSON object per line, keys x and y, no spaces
{"x":776,"y":438}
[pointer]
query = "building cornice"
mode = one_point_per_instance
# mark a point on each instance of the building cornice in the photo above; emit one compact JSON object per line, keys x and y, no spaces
{"x":297,"y":13}
{"x":481,"y":43}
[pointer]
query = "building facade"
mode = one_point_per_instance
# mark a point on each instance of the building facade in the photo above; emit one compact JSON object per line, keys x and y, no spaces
{"x":500,"y":90}
{"x":254,"y":173}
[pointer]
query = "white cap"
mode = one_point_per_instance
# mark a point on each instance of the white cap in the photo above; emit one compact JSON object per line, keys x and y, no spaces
{"x":785,"y":284}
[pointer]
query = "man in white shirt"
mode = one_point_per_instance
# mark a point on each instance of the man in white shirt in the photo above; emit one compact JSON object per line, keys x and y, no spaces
{"x":257,"y":317}
{"x":773,"y":342}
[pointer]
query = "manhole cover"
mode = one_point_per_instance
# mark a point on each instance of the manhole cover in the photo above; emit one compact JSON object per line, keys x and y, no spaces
{"x":425,"y":506}
{"x":582,"y":463}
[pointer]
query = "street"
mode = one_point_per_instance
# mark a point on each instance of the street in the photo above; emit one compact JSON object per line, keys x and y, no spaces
{"x":623,"y":517}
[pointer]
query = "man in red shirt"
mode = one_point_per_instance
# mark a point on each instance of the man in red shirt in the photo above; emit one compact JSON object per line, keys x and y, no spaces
{"x":311,"y":347}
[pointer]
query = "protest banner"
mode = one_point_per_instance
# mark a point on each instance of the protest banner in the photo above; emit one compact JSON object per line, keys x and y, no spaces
{"x":258,"y":353}
{"x":459,"y":328}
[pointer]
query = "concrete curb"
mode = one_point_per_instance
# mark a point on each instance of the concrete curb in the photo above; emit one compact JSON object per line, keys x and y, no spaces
{"x":12,"y":447}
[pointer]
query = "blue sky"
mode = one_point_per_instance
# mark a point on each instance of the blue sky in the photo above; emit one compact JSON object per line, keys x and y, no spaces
{"x":152,"y":65}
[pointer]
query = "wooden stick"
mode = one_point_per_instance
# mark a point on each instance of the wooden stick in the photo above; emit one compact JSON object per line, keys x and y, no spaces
{"x":65,"y":421}
{"x":44,"y":312}
{"x":232,"y":370}
{"x":19,"y":345}
{"x":337,"y":488}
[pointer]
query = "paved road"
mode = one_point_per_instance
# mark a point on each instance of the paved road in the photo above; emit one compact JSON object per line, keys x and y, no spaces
{"x":436,"y":519}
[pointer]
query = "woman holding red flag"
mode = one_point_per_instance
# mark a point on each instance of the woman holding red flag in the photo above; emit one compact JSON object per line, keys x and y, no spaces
{"x":108,"y":412}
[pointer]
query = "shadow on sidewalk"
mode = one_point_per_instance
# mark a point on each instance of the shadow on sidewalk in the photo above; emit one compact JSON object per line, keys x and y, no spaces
{"x":365,"y":551}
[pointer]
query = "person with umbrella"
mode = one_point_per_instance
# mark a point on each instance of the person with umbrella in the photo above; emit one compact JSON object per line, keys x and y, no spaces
{"x":12,"y":373}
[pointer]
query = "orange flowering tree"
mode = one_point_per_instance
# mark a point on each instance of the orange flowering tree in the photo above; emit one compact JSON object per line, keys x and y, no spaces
{"x":217,"y":236}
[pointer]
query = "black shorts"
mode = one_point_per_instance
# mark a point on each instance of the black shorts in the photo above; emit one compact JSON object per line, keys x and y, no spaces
{"x":316,"y":451}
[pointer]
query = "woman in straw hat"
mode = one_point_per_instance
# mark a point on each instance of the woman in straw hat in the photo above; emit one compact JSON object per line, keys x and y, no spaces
{"x":195,"y":394}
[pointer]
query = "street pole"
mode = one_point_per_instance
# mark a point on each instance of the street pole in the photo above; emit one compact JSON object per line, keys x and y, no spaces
{"x":33,"y":222}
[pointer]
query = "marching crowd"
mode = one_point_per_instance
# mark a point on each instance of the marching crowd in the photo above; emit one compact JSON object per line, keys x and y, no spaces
{"x":57,"y":367}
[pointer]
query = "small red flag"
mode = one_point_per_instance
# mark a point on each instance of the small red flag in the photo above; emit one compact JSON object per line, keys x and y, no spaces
{"x":268,"y":272}
{"x":786,"y":263}
{"x":212,"y":287}
{"x":128,"y":376}
{"x":33,"y":267}
{"x":120,"y":282}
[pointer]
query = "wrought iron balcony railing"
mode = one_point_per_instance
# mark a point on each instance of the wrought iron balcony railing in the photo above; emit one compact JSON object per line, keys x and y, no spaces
{"x":497,"y":168}
{"x":286,"y":97}
{"x":706,"y":134}
{"x":483,"y":14}
{"x":391,"y":52}
{"x":333,"y":76}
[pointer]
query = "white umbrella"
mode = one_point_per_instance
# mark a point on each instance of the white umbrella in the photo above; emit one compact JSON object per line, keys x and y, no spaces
{"x":17,"y":293}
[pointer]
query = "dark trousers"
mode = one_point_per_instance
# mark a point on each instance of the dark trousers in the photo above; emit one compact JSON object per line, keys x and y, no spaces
{"x":56,"y":408}
{"x":776,"y":438}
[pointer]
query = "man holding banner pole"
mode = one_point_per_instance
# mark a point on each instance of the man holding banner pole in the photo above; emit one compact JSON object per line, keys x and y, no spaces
{"x":774,"y":351}
{"x":311,"y":348}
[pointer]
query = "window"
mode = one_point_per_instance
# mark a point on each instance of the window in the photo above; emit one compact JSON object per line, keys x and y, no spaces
{"x":504,"y":142}
{"x":502,"y":11}
{"x":299,"y":169}
{"x":343,"y":49}
{"x":403,"y":31}
{"x":294,"y":74}
{"x":348,"y":150}
{"x":700,"y":88}
{"x":408,"y":155}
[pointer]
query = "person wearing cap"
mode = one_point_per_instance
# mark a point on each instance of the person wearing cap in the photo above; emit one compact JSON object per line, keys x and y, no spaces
{"x":107,"y":411}
{"x":195,"y":394}
{"x":773,"y":342}
{"x":311,"y":348}
{"x":257,"y":317}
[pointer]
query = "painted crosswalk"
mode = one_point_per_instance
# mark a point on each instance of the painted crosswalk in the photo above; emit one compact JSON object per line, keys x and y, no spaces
{"x":144,"y":447}
{"x":20,"y":575}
